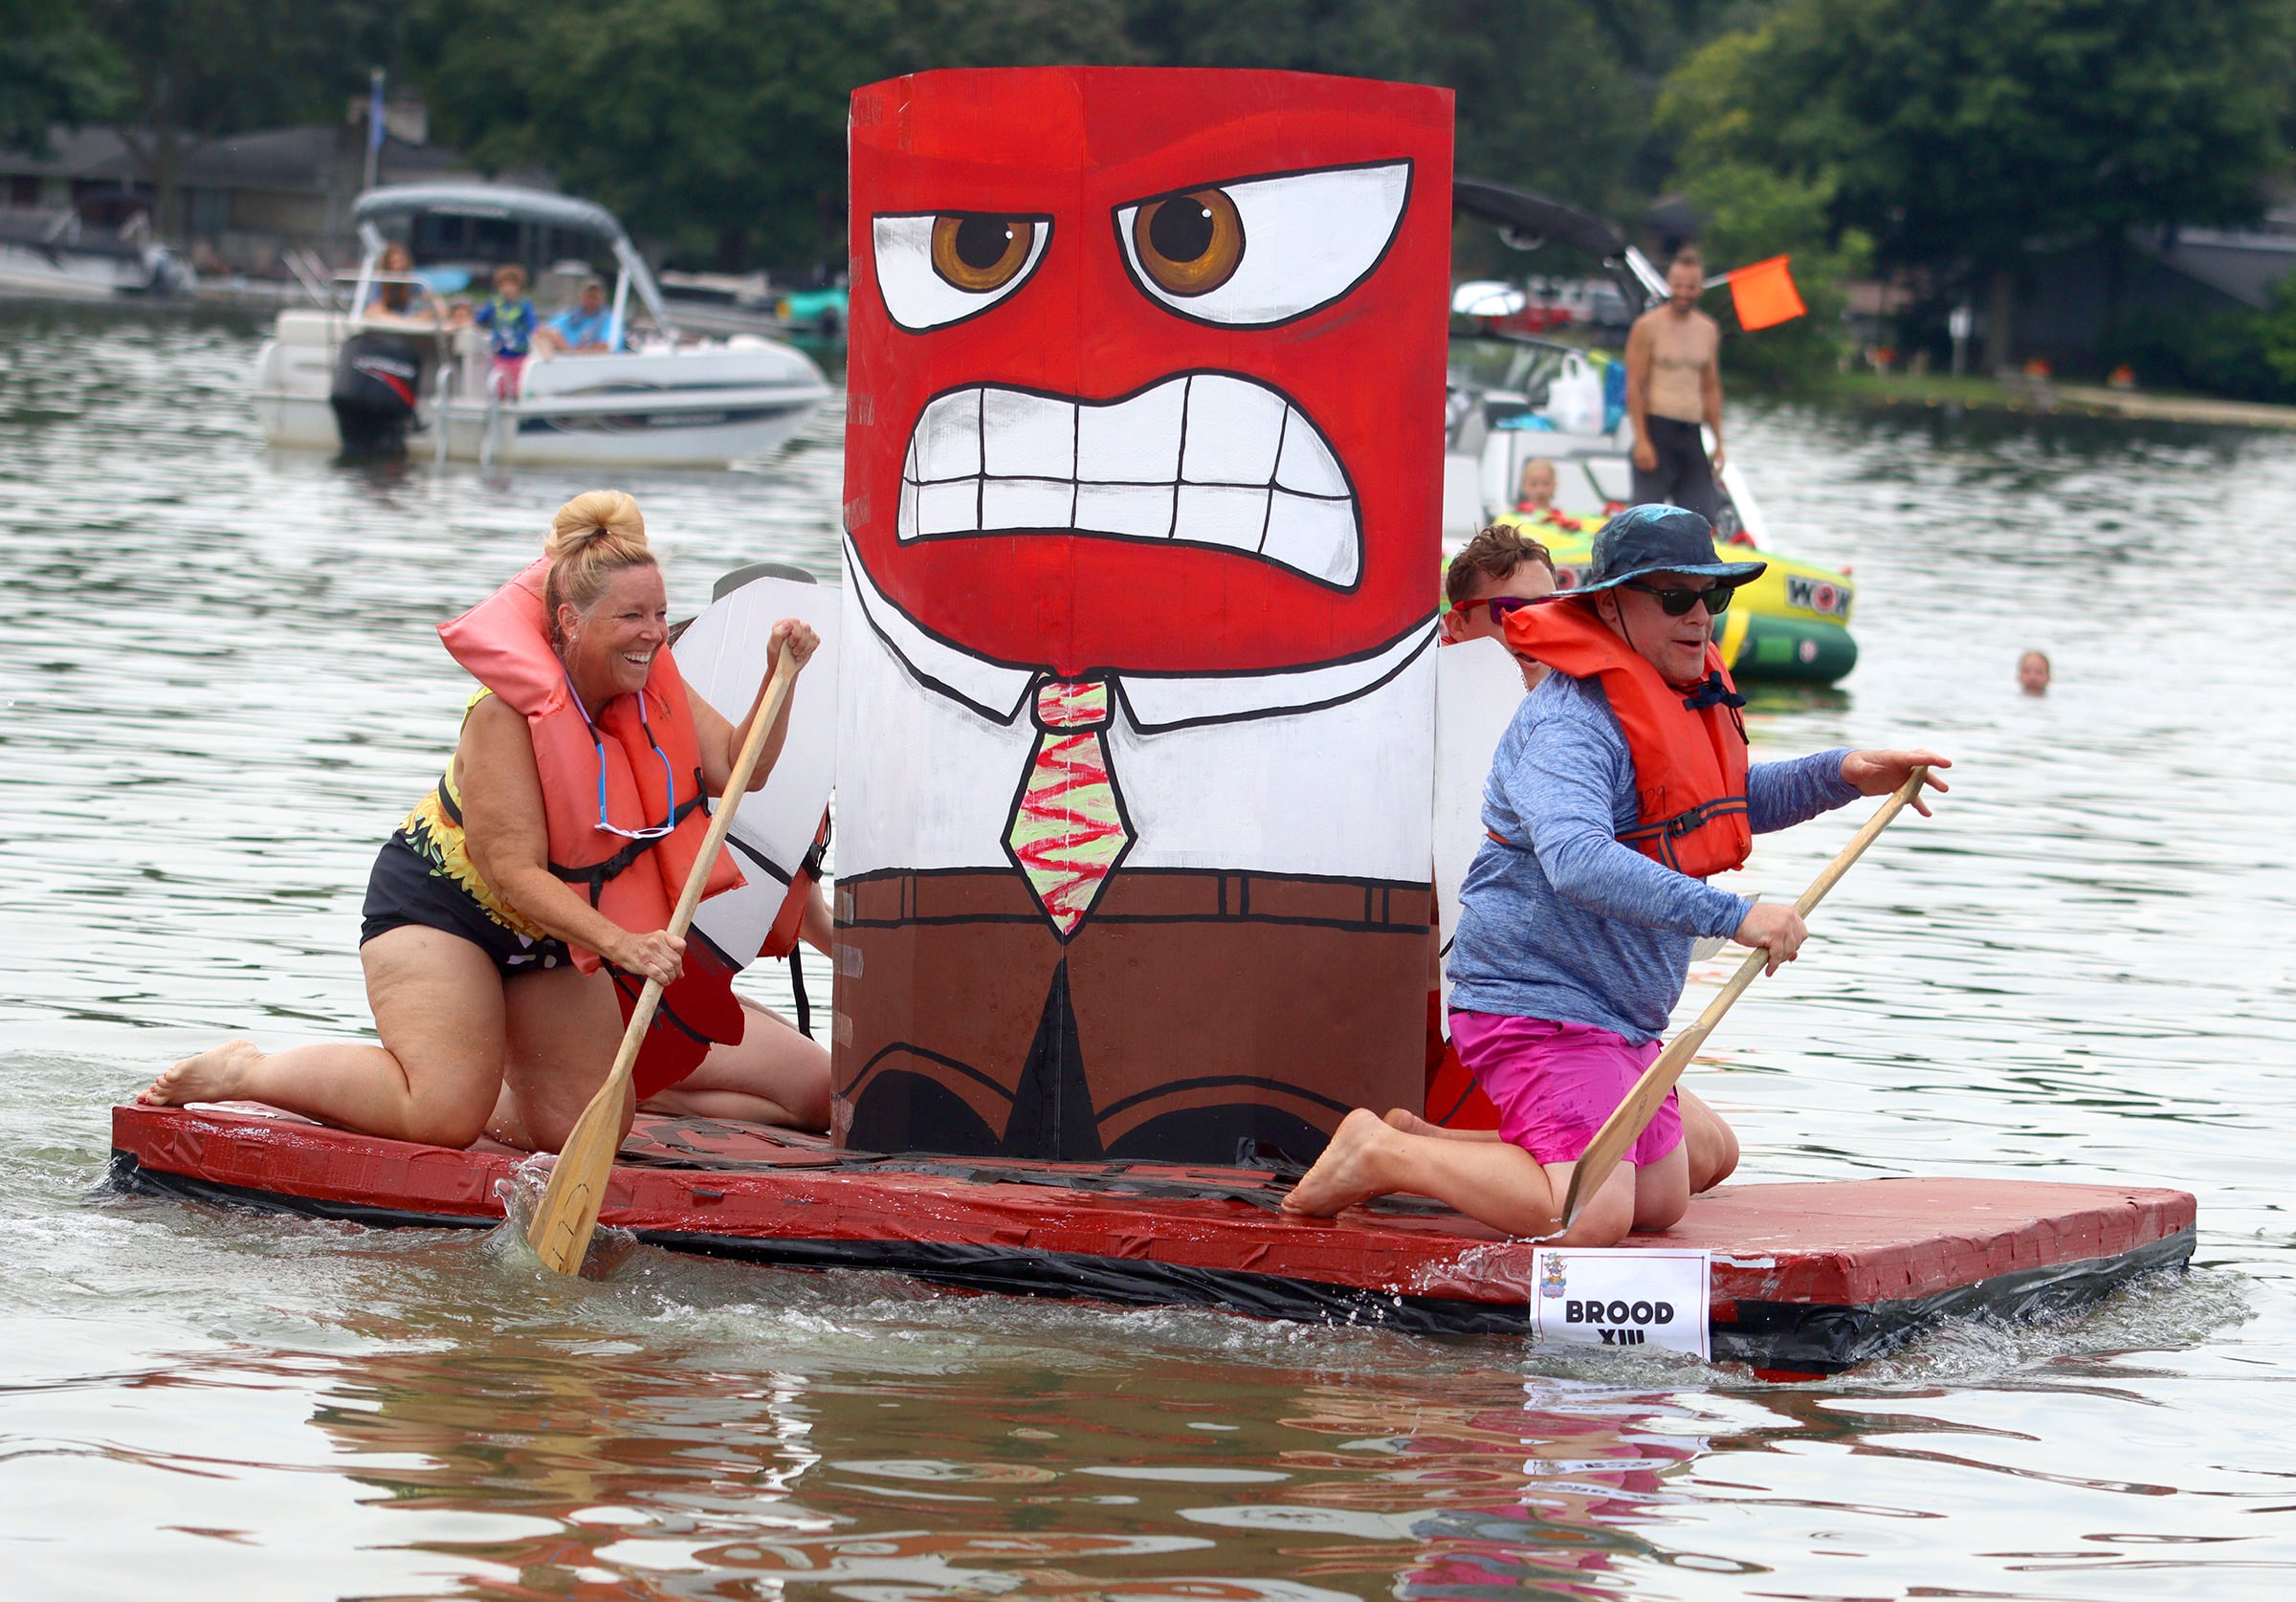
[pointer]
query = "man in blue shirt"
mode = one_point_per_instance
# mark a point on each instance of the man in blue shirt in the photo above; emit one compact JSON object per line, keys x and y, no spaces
{"x":1573,"y":945}
{"x":586,"y":329}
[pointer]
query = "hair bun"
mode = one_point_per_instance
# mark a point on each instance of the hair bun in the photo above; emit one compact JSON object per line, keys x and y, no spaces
{"x":608,"y":515}
{"x":593,"y":537}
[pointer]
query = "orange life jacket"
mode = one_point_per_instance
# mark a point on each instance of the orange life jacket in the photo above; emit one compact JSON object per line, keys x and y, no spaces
{"x":1690,"y":764}
{"x":647,"y":750}
{"x":787,"y":924}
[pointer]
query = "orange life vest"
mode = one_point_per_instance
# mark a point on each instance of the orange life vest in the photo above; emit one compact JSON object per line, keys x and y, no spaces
{"x":787,"y":924}
{"x":648,"y":754}
{"x":1689,"y":764}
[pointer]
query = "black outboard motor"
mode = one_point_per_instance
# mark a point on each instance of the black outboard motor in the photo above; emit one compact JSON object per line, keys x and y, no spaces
{"x":377,"y":378}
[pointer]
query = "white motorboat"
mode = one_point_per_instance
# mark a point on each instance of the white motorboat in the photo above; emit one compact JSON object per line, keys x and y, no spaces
{"x":353,"y":373}
{"x":1514,"y":396}
{"x":59,"y":256}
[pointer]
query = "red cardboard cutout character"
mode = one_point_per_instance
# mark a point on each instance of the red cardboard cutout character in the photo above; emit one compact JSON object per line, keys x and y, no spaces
{"x":1143,"y":475}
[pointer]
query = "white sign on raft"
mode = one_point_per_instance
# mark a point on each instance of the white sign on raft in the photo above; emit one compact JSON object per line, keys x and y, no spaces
{"x":1643,"y":1296}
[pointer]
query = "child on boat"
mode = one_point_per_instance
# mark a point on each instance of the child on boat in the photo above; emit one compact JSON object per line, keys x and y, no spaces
{"x":1538,"y":487}
{"x":509,"y":320}
{"x":1535,"y":496}
{"x":1621,"y":785}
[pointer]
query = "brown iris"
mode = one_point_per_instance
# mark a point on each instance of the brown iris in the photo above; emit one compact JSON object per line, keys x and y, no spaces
{"x":1189,"y":243}
{"x":978,"y":254}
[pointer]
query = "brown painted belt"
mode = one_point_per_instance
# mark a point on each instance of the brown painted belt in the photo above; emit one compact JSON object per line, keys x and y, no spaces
{"x":1155,"y":895}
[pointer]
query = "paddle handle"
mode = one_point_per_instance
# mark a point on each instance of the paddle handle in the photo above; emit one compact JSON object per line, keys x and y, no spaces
{"x":1632,"y":1116}
{"x":567,"y":1214}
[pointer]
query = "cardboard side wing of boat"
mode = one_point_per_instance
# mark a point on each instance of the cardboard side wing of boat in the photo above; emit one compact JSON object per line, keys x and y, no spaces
{"x":723,"y":656}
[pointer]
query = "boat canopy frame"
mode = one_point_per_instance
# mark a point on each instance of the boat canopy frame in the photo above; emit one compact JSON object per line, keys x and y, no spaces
{"x":1525,"y":220}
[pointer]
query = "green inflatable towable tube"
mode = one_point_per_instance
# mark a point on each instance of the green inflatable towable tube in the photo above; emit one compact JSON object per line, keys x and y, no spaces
{"x":1791,"y":625}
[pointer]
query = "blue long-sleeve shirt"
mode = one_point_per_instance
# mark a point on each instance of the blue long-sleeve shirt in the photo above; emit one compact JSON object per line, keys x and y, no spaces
{"x":1580,"y":928}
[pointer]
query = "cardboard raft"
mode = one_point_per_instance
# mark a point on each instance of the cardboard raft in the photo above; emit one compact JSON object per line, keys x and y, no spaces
{"x":1808,"y":1278}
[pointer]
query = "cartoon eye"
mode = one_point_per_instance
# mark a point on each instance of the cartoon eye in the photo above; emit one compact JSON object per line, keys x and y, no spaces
{"x":981,"y":253}
{"x":938,"y":267}
{"x":1259,"y":251}
{"x":1188,"y":244}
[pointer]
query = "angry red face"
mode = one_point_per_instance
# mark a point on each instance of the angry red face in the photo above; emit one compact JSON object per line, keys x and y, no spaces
{"x":1146,"y":367}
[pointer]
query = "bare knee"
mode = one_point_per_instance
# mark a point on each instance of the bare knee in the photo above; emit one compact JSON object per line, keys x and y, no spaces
{"x":452,"y":1113}
{"x":1605,"y":1218}
{"x":1721,"y":1158}
{"x":1712,"y":1144}
{"x":454,"y":1130}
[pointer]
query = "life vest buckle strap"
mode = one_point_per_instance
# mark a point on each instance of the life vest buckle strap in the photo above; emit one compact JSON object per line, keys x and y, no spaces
{"x":1698,"y":817}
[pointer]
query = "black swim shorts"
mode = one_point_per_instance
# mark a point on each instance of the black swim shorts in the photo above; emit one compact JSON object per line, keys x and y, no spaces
{"x":1684,"y":476}
{"x":404,"y":888}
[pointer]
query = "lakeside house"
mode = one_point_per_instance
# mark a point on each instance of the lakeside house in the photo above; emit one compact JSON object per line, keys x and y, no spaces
{"x":245,"y":199}
{"x":2070,"y":300}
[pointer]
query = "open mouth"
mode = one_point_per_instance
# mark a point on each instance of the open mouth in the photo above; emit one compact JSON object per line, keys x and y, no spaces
{"x":1194,"y":459}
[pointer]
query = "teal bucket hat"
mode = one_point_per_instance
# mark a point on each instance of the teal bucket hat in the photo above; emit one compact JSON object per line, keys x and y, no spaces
{"x":1657,"y":538}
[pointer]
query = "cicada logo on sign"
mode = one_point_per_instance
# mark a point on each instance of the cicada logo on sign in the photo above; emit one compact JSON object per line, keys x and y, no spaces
{"x":1823,"y":596}
{"x":1644,"y":1296}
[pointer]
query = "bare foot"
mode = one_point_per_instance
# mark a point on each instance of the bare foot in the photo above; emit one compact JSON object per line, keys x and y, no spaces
{"x":1343,"y":1175}
{"x":214,"y":1075}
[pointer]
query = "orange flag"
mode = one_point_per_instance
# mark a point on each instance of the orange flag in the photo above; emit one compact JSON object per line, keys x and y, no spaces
{"x":1764,"y":294}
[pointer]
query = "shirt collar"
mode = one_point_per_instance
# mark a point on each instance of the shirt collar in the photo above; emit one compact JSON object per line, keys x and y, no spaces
{"x":1153,"y":702}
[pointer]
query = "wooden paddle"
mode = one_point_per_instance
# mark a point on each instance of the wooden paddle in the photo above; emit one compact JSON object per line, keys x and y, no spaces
{"x":1625,"y":1124}
{"x":567,"y":1215}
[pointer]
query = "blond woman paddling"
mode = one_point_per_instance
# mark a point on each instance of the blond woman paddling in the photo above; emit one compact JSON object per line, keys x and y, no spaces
{"x":542,"y":865}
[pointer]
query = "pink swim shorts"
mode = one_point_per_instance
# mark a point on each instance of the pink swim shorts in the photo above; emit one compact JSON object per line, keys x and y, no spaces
{"x":1554,"y":1083}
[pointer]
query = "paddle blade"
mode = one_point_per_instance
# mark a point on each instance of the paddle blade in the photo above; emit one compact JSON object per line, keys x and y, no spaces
{"x":567,"y":1214}
{"x":1625,"y":1124}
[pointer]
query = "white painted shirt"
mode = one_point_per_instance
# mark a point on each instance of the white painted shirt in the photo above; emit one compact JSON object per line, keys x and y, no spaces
{"x":1326,"y":770}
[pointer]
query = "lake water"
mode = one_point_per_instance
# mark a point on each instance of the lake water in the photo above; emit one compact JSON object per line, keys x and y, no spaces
{"x":219,"y":689}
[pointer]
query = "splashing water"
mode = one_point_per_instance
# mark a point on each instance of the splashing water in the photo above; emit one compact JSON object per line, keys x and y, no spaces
{"x":520,"y":1194}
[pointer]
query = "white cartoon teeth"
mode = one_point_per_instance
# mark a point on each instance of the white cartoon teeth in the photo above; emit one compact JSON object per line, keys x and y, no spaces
{"x":1197,"y":459}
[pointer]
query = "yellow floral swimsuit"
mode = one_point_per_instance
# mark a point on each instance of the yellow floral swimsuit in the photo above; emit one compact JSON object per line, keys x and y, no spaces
{"x":424,"y":876}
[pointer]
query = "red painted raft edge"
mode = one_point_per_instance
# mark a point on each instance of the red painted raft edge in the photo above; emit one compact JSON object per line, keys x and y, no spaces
{"x":1999,"y":1226}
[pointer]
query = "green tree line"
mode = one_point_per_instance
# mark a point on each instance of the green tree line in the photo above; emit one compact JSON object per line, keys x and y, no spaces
{"x":1951,"y":137}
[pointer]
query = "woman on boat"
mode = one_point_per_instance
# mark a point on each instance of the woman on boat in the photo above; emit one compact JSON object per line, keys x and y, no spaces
{"x":400,"y":297}
{"x":481,"y":946}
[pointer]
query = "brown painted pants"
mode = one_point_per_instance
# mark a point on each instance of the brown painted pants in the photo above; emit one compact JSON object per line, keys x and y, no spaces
{"x":1193,"y":1015}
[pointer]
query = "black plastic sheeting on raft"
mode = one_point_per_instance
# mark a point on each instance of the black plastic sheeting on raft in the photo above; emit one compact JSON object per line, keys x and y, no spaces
{"x":1802,"y":1337}
{"x":1779,"y":1337}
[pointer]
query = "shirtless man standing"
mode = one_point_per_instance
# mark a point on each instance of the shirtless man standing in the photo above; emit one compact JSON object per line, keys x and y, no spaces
{"x":1673,"y":383}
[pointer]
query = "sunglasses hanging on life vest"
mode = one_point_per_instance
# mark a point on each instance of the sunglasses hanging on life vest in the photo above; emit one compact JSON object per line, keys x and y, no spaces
{"x":670,"y":789}
{"x":669,"y":776}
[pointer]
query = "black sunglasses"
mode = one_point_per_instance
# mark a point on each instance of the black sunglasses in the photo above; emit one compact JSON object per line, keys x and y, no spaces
{"x":1677,"y":603}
